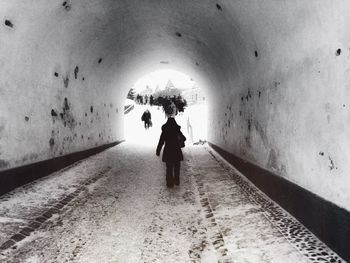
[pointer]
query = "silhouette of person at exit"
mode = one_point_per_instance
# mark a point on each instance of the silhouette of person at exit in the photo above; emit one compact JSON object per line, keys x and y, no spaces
{"x":146,"y":117}
{"x":174,"y":140}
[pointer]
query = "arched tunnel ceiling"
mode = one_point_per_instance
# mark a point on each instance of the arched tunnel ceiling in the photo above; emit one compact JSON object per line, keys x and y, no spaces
{"x":66,"y":66}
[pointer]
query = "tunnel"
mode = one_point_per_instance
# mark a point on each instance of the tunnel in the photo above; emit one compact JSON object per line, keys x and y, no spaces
{"x":275,"y":74}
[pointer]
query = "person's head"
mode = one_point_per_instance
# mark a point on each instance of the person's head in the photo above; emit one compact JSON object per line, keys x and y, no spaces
{"x":170,"y":110}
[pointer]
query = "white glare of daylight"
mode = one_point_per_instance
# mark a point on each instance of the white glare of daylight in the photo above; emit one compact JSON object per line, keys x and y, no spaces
{"x":193,"y":120}
{"x":160,"y":79}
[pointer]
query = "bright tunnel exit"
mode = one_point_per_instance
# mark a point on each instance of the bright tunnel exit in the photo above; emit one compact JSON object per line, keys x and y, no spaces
{"x":150,"y":92}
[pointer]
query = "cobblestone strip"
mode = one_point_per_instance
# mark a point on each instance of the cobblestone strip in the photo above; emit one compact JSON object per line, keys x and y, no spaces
{"x":298,"y":235}
{"x":214,"y":233}
{"x":55,"y":209}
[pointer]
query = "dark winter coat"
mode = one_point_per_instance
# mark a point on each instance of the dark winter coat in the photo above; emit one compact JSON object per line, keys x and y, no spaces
{"x":172,"y":150}
{"x":146,"y":116}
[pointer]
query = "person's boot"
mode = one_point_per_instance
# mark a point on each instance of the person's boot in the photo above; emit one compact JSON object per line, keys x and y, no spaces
{"x":169,"y":182}
{"x":177,"y":180}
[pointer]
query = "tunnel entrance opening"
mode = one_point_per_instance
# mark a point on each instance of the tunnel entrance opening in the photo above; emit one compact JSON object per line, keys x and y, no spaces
{"x":150,"y":94}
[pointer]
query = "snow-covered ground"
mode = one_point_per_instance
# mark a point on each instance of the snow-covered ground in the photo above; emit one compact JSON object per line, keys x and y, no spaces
{"x":122,"y":211}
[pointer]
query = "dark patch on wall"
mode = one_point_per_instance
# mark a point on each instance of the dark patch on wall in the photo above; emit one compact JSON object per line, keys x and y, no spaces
{"x":321,"y":153}
{"x":51,"y":142}
{"x":83,"y":79}
{"x":247,"y":142}
{"x":85,"y":114}
{"x":197,"y":64}
{"x":331,"y":166}
{"x":91,"y":109}
{"x":66,"y":115}
{"x":276,"y":83}
{"x":338,"y":52}
{"x":66,"y":5}
{"x":178,"y":34}
{"x":66,"y":81}
{"x":76,"y":70}
{"x":249,"y":94}
{"x":249,"y":122}
{"x":259,"y":94}
{"x":8,"y":23}
{"x":256,"y":53}
{"x":219,"y":7}
{"x":99,"y":60}
{"x":56,"y":74}
{"x":53,"y":113}
{"x":65,"y":105}
{"x":26,"y":118}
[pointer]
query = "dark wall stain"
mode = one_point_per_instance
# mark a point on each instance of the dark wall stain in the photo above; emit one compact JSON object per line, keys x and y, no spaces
{"x":276,"y":83}
{"x":76,"y":70}
{"x":83,"y":79}
{"x":331,"y":166}
{"x":219,"y":7}
{"x":52,"y":142}
{"x":178,"y":34}
{"x":66,"y":115}
{"x":321,"y":153}
{"x":256,"y":53}
{"x":337,"y":52}
{"x":53,"y":113}
{"x":66,"y":5}
{"x":66,"y":81}
{"x":91,"y":109}
{"x":26,"y":118}
{"x":99,"y":60}
{"x":197,"y":64}
{"x":8,"y":23}
{"x":65,"y":105}
{"x":56,"y":74}
{"x":249,"y":121}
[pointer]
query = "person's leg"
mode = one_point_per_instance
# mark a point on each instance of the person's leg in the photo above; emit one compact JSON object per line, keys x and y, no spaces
{"x":169,"y":174}
{"x":177,"y":173}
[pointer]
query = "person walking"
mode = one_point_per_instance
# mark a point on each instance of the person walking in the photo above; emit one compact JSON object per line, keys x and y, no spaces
{"x":146,"y":117}
{"x":174,"y":140}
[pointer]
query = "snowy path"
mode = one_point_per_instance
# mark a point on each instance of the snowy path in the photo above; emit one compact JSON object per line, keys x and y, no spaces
{"x":115,"y":207}
{"x":128,"y":214}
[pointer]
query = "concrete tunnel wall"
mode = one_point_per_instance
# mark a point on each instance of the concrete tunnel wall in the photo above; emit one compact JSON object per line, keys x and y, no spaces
{"x":275,"y":72}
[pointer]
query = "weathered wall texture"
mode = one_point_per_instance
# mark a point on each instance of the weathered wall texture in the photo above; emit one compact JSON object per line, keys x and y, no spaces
{"x":276,"y":73}
{"x":289,"y":111}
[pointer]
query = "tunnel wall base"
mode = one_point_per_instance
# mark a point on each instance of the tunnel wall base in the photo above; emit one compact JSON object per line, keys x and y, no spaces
{"x":12,"y":178}
{"x":327,"y":221}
